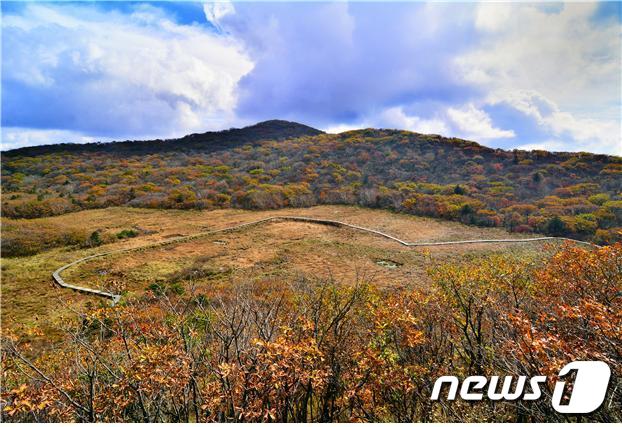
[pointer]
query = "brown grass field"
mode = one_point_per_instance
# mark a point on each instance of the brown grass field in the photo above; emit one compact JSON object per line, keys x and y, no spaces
{"x":280,"y":251}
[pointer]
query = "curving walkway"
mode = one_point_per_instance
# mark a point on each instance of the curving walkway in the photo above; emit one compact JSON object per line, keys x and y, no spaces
{"x":115,"y":297}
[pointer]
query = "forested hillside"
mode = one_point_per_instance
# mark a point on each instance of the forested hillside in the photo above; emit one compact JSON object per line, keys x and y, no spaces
{"x":276,"y":164}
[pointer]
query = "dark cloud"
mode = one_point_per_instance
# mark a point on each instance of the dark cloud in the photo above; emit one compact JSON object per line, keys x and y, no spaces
{"x":330,"y":63}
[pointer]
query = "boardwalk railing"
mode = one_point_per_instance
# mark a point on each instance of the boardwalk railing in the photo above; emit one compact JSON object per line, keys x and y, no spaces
{"x":115,"y":297}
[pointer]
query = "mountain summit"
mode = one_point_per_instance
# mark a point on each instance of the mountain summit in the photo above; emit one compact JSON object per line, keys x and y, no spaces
{"x":282,"y":129}
{"x":269,"y":129}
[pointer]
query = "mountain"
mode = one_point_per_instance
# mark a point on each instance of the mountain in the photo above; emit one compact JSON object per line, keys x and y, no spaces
{"x":276,"y":164}
{"x":270,"y":129}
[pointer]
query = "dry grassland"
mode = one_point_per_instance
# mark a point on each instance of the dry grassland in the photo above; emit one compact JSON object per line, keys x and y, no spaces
{"x":282,"y":252}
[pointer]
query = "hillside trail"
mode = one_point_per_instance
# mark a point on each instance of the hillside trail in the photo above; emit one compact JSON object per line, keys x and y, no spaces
{"x":56,"y":275}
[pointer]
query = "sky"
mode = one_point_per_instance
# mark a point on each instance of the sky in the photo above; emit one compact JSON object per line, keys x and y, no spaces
{"x":508,"y":75}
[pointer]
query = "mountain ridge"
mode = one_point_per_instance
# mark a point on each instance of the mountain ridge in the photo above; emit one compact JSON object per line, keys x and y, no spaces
{"x":268,"y":129}
{"x":273,"y":129}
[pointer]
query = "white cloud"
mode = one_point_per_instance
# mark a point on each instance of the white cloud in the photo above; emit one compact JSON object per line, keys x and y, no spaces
{"x":588,"y":134}
{"x":562,"y":55}
{"x":343,"y":127}
{"x":102,"y":72}
{"x":562,"y":145}
{"x":214,"y":12}
{"x":467,"y":122}
{"x":488,"y":17}
{"x":395,"y":117}
{"x":556,"y":66}
{"x":13,"y":137}
{"x":548,"y":145}
{"x":473,"y":123}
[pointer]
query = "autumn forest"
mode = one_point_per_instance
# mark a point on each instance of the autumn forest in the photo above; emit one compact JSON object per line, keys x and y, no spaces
{"x":278,"y":164}
{"x":304,"y":322}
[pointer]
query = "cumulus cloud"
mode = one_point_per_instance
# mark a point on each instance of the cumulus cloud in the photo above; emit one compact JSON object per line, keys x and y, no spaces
{"x":504,"y":74}
{"x":587,"y":134}
{"x":334,"y":63}
{"x":557,"y":66}
{"x":475,"y":124}
{"x":431,"y":70}
{"x":467,"y":122}
{"x":395,"y":117}
{"x":110,"y":73}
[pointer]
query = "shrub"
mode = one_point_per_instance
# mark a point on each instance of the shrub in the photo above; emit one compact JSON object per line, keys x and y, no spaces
{"x":126,"y":234}
{"x":556,"y":227}
{"x":94,"y":239}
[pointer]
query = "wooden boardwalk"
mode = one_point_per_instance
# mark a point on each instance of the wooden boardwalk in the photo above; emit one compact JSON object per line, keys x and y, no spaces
{"x":115,"y":297}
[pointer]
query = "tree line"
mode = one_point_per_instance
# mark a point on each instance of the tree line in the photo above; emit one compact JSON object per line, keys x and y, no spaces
{"x":575,"y":195}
